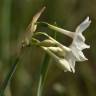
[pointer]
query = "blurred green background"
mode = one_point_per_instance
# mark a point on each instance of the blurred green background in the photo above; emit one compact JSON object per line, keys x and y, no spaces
{"x":15,"y":15}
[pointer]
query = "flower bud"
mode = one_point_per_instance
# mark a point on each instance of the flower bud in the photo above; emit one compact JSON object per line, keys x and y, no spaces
{"x":58,"y":51}
{"x":47,"y":43}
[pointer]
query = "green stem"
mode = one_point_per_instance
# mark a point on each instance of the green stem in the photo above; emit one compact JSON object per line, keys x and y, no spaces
{"x":11,"y":72}
{"x":43,"y":74}
{"x":9,"y":77}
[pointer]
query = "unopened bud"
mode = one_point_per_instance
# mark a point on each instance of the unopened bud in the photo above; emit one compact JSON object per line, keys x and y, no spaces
{"x":58,"y":51}
{"x":47,"y":43}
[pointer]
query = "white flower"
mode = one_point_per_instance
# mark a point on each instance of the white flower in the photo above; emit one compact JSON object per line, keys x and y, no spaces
{"x":78,"y":43}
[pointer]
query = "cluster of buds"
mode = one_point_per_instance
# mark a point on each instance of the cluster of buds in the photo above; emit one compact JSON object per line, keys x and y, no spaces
{"x":66,"y":57}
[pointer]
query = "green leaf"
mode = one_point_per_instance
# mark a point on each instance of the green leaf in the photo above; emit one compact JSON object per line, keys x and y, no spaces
{"x":43,"y":74}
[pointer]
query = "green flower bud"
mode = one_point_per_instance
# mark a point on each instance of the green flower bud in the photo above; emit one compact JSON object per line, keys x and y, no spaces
{"x":47,"y":43}
{"x":58,"y":51}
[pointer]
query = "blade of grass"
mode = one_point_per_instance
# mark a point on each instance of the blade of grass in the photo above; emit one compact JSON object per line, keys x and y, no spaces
{"x":43,"y":74}
{"x":10,"y":73}
{"x":6,"y":28}
{"x":43,"y":71}
{"x":8,"y":78}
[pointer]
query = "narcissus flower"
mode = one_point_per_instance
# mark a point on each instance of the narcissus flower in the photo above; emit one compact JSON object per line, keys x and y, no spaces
{"x":77,"y":45}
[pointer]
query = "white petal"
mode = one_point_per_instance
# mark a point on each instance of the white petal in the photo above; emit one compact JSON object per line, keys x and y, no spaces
{"x":81,"y":56}
{"x":64,"y":64}
{"x":77,"y":53}
{"x":78,"y":43}
{"x":71,"y":60}
{"x":84,"y":25}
